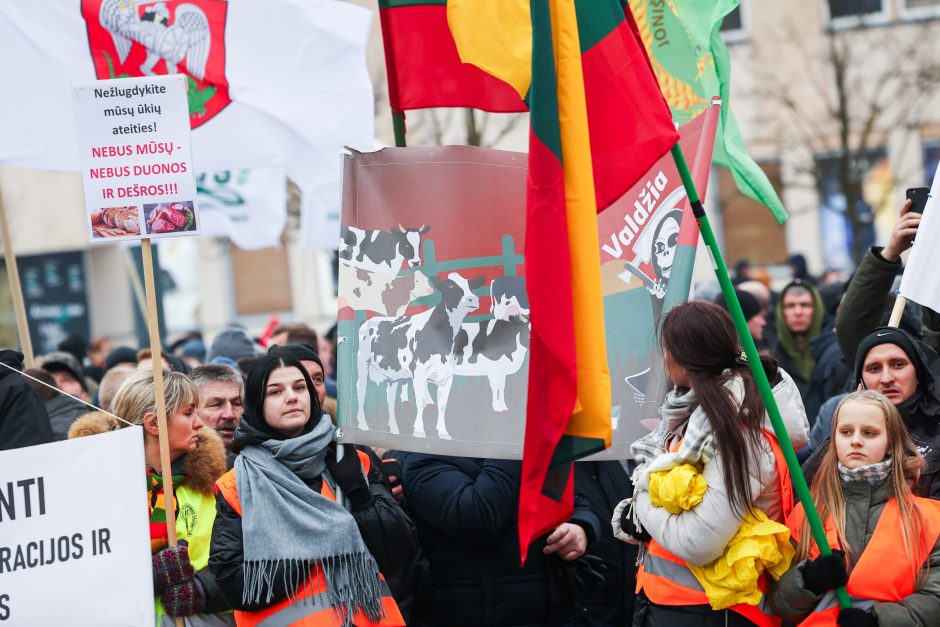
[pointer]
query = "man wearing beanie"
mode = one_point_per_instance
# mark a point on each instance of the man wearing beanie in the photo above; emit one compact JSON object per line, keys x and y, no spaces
{"x":907,"y":371}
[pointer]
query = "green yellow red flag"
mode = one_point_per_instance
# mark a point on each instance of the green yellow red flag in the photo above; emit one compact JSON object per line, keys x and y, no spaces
{"x":598,"y":122}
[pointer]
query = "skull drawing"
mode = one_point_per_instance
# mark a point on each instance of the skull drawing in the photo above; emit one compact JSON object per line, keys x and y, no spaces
{"x":664,"y":243}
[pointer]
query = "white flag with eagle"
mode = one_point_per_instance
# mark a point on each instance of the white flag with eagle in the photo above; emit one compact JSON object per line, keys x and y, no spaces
{"x":273,"y":83}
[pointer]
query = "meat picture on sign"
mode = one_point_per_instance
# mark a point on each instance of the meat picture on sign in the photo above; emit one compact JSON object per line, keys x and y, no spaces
{"x":173,"y":217}
{"x":110,"y":222}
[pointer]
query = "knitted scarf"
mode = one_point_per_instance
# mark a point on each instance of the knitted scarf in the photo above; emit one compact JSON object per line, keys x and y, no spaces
{"x":290,"y":528}
{"x":682,"y":418}
{"x":872,"y":473}
{"x":158,"y":532}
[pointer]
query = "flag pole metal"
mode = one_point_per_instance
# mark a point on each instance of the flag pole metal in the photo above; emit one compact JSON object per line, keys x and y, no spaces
{"x":753,"y":358}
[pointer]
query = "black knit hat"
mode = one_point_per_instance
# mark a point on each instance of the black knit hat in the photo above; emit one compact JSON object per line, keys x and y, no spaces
{"x":300,"y":352}
{"x":120,"y":355}
{"x":891,"y":335}
{"x":749,"y":303}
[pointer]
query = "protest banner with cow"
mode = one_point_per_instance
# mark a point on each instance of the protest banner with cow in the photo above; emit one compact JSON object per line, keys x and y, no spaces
{"x":446,"y":371}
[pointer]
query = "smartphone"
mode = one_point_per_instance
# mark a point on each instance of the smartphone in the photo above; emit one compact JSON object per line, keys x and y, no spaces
{"x":918,"y":197}
{"x":392,"y":468}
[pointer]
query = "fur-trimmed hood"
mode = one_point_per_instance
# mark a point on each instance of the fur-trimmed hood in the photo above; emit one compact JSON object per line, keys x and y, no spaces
{"x":202,"y":467}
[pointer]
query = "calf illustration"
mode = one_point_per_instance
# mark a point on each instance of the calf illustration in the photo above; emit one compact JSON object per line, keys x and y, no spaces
{"x":419,"y":349}
{"x":381,"y":251}
{"x":508,"y":297}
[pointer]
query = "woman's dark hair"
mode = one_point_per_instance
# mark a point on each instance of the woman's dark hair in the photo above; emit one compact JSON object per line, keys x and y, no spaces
{"x":257,"y":384}
{"x":700,"y":337}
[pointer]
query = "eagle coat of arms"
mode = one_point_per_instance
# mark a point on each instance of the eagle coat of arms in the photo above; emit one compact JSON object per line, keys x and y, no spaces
{"x":132,"y":38}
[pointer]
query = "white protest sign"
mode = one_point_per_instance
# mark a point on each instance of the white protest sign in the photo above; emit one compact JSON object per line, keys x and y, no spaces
{"x":74,"y":533}
{"x":134,"y":144}
{"x":919,"y":282}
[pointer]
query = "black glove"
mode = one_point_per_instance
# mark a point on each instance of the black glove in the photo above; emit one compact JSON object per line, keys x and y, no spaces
{"x":854,"y":617}
{"x":184,"y":599}
{"x":347,"y":473}
{"x":626,"y":523}
{"x":171,"y":566}
{"x":585,"y":574}
{"x":825,"y":573}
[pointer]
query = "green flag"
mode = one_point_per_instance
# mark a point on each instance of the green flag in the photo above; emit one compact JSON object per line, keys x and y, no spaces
{"x":692,"y":65}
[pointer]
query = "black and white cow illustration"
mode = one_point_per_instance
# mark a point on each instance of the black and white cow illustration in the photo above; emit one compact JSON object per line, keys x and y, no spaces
{"x":417,"y":348}
{"x":382,"y":293}
{"x":508,"y":297}
{"x":496,"y":348}
{"x":493,"y":349}
{"x":381,"y":251}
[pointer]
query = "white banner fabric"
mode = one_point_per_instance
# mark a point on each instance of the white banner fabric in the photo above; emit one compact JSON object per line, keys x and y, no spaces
{"x":919,"y":282}
{"x":295,"y":71}
{"x":248,"y":207}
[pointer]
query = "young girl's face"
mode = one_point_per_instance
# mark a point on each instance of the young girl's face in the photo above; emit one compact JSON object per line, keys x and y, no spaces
{"x":861,"y":434}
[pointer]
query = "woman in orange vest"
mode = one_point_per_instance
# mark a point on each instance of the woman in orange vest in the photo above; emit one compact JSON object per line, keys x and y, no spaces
{"x":884,"y":538}
{"x":714,"y":419}
{"x":284,"y":552}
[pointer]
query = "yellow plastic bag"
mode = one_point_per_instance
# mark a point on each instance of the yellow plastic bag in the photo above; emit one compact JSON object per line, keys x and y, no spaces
{"x":677,"y":489}
{"x":760,"y":544}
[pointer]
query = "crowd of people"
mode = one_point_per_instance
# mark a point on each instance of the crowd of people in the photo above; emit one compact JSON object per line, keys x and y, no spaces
{"x":277,"y":524}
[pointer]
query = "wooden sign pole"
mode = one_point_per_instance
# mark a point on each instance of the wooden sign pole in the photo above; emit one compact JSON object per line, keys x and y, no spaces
{"x":153,"y":326}
{"x":19,"y":305}
{"x":899,"y":303}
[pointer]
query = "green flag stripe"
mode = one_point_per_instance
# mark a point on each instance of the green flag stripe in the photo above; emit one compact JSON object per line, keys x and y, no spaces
{"x":596,"y":20}
{"x":572,"y":447}
{"x":543,"y":91}
{"x":392,"y":4}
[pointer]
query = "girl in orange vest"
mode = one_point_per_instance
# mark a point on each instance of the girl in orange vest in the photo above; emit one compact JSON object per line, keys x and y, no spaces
{"x":283,"y":551}
{"x":714,"y":418}
{"x":884,"y":538}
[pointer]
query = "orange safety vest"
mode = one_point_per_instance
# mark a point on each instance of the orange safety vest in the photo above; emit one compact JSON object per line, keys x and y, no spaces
{"x":667,"y":580}
{"x":881,"y":574}
{"x":310,"y":607}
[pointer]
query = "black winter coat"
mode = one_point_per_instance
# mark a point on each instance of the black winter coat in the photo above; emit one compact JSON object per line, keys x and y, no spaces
{"x":23,"y":417}
{"x":387,"y":532}
{"x":466,"y":513}
{"x":604,"y":485}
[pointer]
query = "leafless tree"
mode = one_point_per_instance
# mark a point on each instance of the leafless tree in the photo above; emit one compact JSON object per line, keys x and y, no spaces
{"x":846,"y":91}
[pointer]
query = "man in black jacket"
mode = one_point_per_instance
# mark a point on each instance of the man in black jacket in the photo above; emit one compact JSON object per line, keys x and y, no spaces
{"x":23,"y":417}
{"x":466,"y":513}
{"x":604,"y":485}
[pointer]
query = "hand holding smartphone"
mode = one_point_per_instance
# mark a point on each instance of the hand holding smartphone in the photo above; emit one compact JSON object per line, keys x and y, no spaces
{"x":918,"y":197}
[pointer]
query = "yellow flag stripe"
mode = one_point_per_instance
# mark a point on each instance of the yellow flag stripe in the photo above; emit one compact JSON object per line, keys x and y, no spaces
{"x":592,"y":417}
{"x":495,"y":36}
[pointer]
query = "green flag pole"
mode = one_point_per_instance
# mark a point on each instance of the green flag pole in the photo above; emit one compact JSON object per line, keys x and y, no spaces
{"x":398,"y":125}
{"x":760,"y":377}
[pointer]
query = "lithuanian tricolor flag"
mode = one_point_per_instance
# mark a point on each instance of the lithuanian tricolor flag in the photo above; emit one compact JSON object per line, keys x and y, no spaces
{"x":598,"y":122}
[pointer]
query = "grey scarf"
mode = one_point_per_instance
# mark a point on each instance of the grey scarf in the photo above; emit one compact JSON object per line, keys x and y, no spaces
{"x":872,"y":473}
{"x":286,"y":524}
